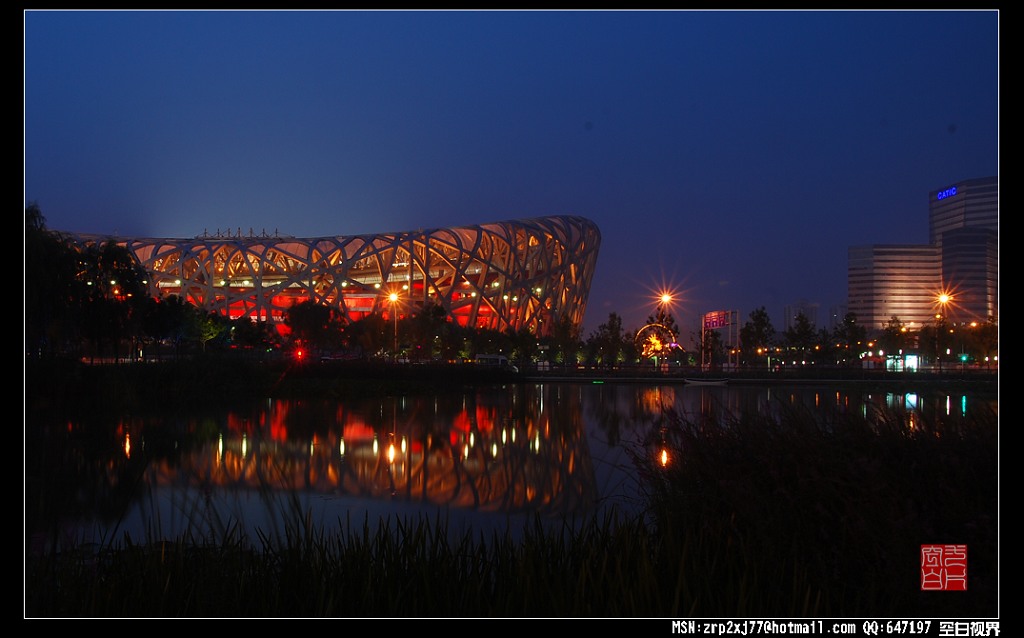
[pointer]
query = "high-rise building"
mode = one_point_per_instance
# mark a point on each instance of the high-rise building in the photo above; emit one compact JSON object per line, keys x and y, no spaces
{"x":837,"y":315}
{"x":971,"y":203}
{"x":963,"y":221}
{"x":886,"y":281}
{"x":804,"y":307}
{"x":961,"y":260}
{"x":970,"y":272}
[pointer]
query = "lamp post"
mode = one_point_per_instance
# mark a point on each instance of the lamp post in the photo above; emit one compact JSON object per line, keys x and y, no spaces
{"x":968,"y":333}
{"x":665,"y":300}
{"x":768,"y":354}
{"x":942,"y":300}
{"x":393,"y":298}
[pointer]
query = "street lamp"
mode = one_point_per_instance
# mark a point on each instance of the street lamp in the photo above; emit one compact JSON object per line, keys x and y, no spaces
{"x":665,"y":300}
{"x":942,"y":300}
{"x":393,"y":298}
{"x":767,"y":353}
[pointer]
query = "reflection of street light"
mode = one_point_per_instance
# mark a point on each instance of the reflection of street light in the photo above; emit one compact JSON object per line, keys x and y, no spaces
{"x":393,"y":298}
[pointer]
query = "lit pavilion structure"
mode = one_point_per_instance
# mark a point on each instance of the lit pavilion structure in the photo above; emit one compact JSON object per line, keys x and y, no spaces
{"x":528,"y":273}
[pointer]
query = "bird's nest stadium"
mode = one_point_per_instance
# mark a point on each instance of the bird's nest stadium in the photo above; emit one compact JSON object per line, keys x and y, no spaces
{"x":523,"y":274}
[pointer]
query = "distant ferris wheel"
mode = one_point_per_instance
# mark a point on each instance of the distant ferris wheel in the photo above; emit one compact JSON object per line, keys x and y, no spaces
{"x":654,"y":339}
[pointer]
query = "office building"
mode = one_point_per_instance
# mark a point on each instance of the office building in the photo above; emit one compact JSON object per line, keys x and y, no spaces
{"x":886,"y":281}
{"x":961,"y":260}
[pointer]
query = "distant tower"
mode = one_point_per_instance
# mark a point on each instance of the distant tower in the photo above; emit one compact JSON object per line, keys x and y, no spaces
{"x":810,"y":310}
{"x":836,"y":315}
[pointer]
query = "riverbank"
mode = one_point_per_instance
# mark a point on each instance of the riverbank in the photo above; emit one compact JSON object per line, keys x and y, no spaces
{"x":978,"y":377}
{"x":981,"y":381}
{"x":215,"y":379}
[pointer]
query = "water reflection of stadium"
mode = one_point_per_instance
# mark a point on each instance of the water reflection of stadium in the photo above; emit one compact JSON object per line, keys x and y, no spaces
{"x":512,"y":450}
{"x":482,"y":452}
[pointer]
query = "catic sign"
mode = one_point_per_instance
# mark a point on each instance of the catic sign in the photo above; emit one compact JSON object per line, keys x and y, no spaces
{"x":718,"y":319}
{"x":949,"y":192}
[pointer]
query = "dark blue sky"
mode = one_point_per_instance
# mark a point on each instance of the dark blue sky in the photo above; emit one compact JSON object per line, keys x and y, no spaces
{"x":733,"y":156}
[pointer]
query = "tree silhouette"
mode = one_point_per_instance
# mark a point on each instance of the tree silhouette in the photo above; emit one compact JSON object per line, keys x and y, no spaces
{"x":315,"y":325}
{"x":607,"y":344}
{"x":800,"y":338}
{"x":757,"y":336}
{"x":894,"y":338}
{"x":50,"y":289}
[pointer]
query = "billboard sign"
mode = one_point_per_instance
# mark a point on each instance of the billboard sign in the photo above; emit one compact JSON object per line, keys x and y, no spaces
{"x":717,"y":319}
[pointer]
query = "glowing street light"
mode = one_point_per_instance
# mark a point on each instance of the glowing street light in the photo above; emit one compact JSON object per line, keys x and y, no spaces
{"x":942,"y":300}
{"x":393,"y":298}
{"x":664,"y":301}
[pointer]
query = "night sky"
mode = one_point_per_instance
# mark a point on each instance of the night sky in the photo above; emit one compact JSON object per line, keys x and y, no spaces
{"x":730,"y":156}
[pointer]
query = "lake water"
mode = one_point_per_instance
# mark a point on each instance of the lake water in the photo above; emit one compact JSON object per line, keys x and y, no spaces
{"x":483,"y":460}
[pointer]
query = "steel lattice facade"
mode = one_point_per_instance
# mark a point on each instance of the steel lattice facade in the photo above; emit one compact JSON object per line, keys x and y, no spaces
{"x":530,"y":273}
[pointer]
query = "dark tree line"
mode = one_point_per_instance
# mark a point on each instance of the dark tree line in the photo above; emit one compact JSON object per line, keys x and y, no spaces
{"x":94,"y":302}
